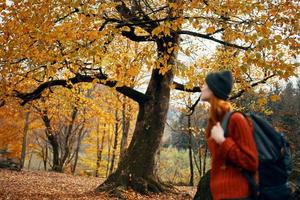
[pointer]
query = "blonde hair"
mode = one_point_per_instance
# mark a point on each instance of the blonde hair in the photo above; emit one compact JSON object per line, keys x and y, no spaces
{"x":217,"y":112}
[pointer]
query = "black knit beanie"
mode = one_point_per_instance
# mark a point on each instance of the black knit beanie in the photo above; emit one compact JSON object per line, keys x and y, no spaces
{"x":220,"y":83}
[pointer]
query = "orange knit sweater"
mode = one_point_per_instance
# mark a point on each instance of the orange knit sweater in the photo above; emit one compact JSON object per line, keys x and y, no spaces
{"x":227,"y":181}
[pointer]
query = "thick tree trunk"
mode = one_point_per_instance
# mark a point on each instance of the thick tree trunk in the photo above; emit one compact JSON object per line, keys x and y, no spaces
{"x":157,"y":161}
{"x":53,"y":140}
{"x":56,"y":166}
{"x":136,"y":169}
{"x":24,"y":143}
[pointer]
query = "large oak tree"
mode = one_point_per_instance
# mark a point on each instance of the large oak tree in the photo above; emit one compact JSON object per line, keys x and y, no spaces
{"x":61,"y":43}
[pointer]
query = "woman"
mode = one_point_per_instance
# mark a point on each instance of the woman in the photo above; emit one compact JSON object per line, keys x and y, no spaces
{"x":233,"y":153}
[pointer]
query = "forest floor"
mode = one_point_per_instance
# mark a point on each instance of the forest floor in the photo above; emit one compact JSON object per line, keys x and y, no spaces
{"x":41,"y":185}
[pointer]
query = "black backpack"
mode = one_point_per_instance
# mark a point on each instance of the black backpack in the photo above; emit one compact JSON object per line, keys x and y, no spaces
{"x":275,"y":163}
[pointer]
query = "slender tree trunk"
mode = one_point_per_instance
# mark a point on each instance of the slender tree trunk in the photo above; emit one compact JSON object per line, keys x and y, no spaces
{"x":204,"y":161}
{"x":24,"y":143}
{"x":99,"y":151}
{"x":125,"y":129}
{"x":108,"y":155}
{"x":66,"y":143}
{"x":191,"y":183}
{"x":30,"y":158}
{"x":196,"y":164}
{"x":39,"y":165}
{"x":46,"y":157}
{"x":115,"y":142}
{"x":98,"y":147}
{"x":200,"y":162}
{"x":79,"y":139}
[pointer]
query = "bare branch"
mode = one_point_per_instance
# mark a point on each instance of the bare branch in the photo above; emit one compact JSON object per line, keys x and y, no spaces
{"x":181,"y":87}
{"x":76,"y":10}
{"x":192,"y":108}
{"x":213,"y":39}
{"x":241,"y":92}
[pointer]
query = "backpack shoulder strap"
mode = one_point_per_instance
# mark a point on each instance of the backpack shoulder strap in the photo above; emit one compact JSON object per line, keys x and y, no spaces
{"x":225,"y":122}
{"x":226,"y":119}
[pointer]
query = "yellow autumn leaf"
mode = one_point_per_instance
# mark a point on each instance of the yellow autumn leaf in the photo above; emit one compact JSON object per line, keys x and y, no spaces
{"x":269,"y":23}
{"x":268,"y":112}
{"x":275,"y":98}
{"x":187,"y":52}
{"x":210,"y":30}
{"x":173,"y":5}
{"x":156,"y":31}
{"x":258,"y":55}
{"x":277,"y":37}
{"x":262,"y":101}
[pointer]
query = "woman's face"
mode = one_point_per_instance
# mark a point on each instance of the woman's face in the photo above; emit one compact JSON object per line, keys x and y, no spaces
{"x":206,"y":93}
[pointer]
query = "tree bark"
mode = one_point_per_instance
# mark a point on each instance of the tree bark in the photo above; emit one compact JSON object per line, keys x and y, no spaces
{"x":204,"y":159}
{"x":24,"y":143}
{"x":55,"y":148}
{"x":99,"y":150}
{"x":136,"y":168}
{"x":45,"y":158}
{"x":191,"y":183}
{"x":109,"y":151}
{"x":115,"y":143}
{"x":125,"y":129}
{"x":98,"y":147}
{"x":80,"y":136}
{"x":66,"y":143}
{"x":29,"y":161}
{"x":52,"y":138}
{"x":200,"y":164}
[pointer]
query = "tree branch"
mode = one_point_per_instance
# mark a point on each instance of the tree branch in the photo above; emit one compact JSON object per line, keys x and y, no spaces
{"x":241,"y":92}
{"x":181,"y":87}
{"x":132,"y":36}
{"x":2,"y":102}
{"x":213,"y":39}
{"x":76,"y":10}
{"x":192,"y":108}
{"x":127,"y":91}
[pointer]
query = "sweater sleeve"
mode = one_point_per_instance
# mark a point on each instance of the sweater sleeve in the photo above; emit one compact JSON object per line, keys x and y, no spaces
{"x":239,"y":147}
